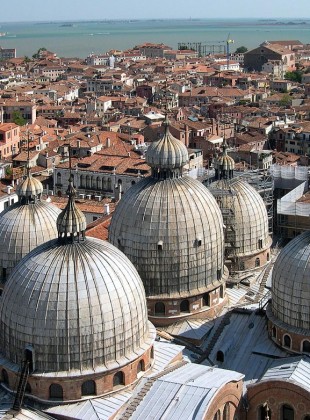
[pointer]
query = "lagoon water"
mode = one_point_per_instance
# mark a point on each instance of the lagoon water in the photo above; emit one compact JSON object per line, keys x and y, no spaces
{"x":79,"y":39}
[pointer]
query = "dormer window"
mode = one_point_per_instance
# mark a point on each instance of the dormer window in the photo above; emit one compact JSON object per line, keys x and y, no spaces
{"x":160,"y":245}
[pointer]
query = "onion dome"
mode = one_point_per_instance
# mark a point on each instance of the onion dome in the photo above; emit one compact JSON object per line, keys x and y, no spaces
{"x":224,"y":165}
{"x":77,"y":302}
{"x":71,"y":220}
{"x":25,"y":225}
{"x":168,"y":153}
{"x":29,"y":189}
{"x":291,"y":284}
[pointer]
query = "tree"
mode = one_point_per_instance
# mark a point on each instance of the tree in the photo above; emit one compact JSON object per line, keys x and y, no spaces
{"x":38,"y":53}
{"x":241,"y":50}
{"x":294,"y":76}
{"x":18,"y":118}
{"x":285,"y":100}
{"x":26,"y":59}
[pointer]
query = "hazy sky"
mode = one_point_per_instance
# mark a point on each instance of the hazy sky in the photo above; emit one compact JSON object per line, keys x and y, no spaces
{"x":34,"y":10}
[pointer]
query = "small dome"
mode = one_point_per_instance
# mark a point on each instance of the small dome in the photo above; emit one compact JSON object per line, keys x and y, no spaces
{"x":23,"y":228}
{"x":172,"y":231}
{"x":291,"y":283}
{"x":81,"y":307}
{"x":29,"y":188}
{"x":225,"y":163}
{"x":168,"y":152}
{"x":71,"y":220}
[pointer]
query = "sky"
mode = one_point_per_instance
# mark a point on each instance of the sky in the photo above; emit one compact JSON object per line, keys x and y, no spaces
{"x":38,"y":10}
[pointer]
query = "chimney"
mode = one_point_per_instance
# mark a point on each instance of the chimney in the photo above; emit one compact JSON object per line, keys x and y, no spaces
{"x":78,"y":144}
{"x":9,"y":189}
{"x":108,"y":142}
{"x":128,"y":153}
{"x":107,"y":208}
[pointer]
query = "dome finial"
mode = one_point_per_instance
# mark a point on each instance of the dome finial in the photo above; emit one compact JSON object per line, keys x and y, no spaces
{"x":167,"y":156}
{"x":224,"y":165}
{"x":71,"y":223}
{"x":30,"y":189}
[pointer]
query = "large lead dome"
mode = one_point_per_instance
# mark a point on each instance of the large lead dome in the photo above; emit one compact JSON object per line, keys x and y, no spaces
{"x":25,"y":225}
{"x":78,"y":305}
{"x":171,"y":228}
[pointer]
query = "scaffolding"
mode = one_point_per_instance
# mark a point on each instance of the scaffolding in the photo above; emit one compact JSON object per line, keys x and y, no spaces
{"x":203,"y":48}
{"x":263,"y":182}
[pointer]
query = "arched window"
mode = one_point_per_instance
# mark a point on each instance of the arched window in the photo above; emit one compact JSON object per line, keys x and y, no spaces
{"x":141,"y":366}
{"x":257,"y":262}
{"x":29,"y":359}
{"x":226,"y":412}
{"x":118,"y":379}
{"x":160,"y":309}
{"x":264,"y":412}
{"x":82,"y":181}
{"x":98,"y":186}
{"x":260,"y":243}
{"x":152,"y":353}
{"x":109,"y":184}
{"x":206,"y":299}
{"x":184,"y":307}
{"x":28,"y":388}
{"x":307,"y":417}
{"x":306,"y":346}
{"x":219,"y":274}
{"x":89,"y":388}
{"x":287,"y":412}
{"x":58,"y":178}
{"x":274,"y":332}
{"x":268,"y":256}
{"x":5,"y":377}
{"x":94,"y":182}
{"x":220,"y":356}
{"x":87,"y":181}
{"x":56,"y":392}
{"x":221,"y":292}
{"x":217,"y":415}
{"x":287,"y":341}
{"x":241,"y":266}
{"x":133,"y":182}
{"x":104,"y":184}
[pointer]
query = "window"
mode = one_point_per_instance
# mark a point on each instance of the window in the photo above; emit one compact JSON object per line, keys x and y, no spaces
{"x":119,"y":379}
{"x":184,"y":307}
{"x":287,"y":412}
{"x":274,"y":332}
{"x":260,"y":243}
{"x":217,"y":415}
{"x":220,"y":356}
{"x":28,"y":388}
{"x":264,"y":412}
{"x":160,"y":309}
{"x":306,"y":346}
{"x":58,"y":178}
{"x":5,"y":377}
{"x":141,"y":366}
{"x":160,"y":245}
{"x":89,"y":388}
{"x":226,"y":412}
{"x":206,"y":299}
{"x":257,"y":262}
{"x":287,"y":341}
{"x":56,"y":392}
{"x":29,"y":359}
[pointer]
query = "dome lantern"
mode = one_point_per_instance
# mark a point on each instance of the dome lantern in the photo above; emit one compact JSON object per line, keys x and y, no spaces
{"x":167,"y":156}
{"x":224,"y":165}
{"x":71,"y":223}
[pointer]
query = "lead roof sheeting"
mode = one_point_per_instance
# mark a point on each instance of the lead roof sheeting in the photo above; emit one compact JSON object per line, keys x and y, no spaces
{"x":294,"y":369}
{"x":98,"y":408}
{"x":164,"y":353}
{"x":195,"y":329}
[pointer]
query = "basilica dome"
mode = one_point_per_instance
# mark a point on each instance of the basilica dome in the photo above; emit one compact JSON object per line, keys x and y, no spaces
{"x":76,"y":307}
{"x":247,"y":240}
{"x":25,"y":225}
{"x":291,"y":284}
{"x":171,"y":228}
